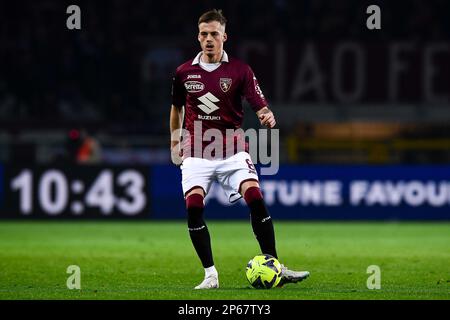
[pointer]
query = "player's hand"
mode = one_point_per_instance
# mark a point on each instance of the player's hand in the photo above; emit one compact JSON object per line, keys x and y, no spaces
{"x":175,"y":153}
{"x":268,"y":120}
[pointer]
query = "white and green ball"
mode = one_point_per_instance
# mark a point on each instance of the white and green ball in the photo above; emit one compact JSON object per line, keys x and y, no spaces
{"x":264,"y":271}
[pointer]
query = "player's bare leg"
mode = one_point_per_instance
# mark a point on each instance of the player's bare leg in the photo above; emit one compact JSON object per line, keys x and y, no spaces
{"x":200,"y":237}
{"x":263,"y":229}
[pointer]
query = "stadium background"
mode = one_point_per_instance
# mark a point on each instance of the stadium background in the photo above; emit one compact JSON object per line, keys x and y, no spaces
{"x":343,"y":95}
{"x":352,"y":105}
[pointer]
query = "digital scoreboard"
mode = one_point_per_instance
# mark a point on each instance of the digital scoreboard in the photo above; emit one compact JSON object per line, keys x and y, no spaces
{"x":75,"y":191}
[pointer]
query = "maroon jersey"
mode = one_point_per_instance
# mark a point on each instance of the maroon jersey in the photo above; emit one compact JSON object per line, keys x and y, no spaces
{"x":214,"y":98}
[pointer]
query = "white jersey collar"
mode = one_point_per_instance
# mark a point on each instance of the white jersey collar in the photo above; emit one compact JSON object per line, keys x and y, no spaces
{"x":197,"y":58}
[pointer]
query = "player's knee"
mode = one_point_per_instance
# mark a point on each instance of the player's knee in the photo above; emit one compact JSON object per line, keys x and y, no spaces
{"x":195,"y":200}
{"x":195,"y":205}
{"x":254,"y":199}
{"x":253,"y":194}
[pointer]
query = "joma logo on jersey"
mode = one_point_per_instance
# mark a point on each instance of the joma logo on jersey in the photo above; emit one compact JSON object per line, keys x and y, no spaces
{"x":194,"y":76}
{"x":209,"y":103}
{"x":194,"y":86}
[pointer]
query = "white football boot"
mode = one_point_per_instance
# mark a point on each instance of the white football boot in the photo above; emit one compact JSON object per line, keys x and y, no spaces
{"x":210,"y":282}
{"x":290,"y":276}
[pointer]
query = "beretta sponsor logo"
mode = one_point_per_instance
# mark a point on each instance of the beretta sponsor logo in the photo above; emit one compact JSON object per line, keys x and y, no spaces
{"x":194,"y":86}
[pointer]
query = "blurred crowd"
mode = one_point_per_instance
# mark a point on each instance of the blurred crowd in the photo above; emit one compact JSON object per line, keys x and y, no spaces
{"x":118,"y":68}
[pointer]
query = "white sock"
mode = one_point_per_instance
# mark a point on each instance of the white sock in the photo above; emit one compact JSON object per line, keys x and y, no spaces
{"x":210,"y":271}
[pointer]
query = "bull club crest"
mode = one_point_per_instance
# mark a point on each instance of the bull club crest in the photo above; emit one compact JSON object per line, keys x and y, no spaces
{"x":225,"y":84}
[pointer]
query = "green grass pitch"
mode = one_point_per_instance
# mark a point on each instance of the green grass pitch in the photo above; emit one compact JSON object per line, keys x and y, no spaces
{"x":156,"y":260}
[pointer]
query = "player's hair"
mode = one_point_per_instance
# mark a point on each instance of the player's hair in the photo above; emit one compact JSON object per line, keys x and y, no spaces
{"x":213,"y":15}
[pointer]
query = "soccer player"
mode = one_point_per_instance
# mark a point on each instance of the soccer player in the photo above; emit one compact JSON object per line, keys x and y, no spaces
{"x":211,"y":87}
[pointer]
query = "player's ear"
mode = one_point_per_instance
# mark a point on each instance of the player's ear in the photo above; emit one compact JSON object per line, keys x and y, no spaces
{"x":225,"y":37}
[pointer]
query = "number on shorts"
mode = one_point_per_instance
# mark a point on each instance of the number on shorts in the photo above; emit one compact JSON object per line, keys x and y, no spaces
{"x":250,"y":166}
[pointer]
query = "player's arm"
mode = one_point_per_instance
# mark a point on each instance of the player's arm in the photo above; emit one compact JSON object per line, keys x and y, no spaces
{"x":176,"y":120}
{"x":266,"y":117}
{"x":253,"y":94}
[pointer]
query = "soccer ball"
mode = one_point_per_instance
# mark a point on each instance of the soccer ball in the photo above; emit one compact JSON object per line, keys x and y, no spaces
{"x":264,"y":271}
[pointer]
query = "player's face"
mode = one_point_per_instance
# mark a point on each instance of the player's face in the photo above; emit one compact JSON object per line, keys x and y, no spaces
{"x":211,"y":37}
